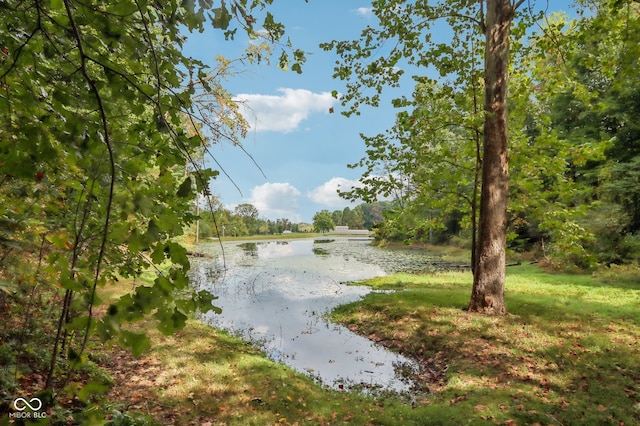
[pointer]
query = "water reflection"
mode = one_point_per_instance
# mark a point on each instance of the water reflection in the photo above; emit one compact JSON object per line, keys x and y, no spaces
{"x":276,"y":293}
{"x":320,"y":251}
{"x":251,"y":249}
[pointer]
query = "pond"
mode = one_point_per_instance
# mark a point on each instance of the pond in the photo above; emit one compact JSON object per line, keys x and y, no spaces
{"x":276,"y":293}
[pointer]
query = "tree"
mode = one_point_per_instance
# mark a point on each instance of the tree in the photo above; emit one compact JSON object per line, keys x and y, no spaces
{"x":372,"y":214}
{"x":337,"y":217}
{"x":356,"y":218}
{"x":322,"y":221}
{"x":346,"y":216}
{"x":250,"y":215}
{"x":429,"y":160}
{"x":583,"y":73}
{"x":410,"y":25}
{"x":487,"y":294}
{"x":285,"y":224}
{"x":93,"y":155}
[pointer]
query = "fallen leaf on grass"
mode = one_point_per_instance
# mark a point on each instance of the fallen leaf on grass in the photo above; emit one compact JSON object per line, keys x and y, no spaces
{"x":457,"y":399}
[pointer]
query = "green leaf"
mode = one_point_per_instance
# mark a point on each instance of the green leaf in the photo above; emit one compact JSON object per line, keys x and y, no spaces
{"x":136,"y":242}
{"x":127,"y":309}
{"x":205,"y":302}
{"x":73,"y":284}
{"x":77,"y":323}
{"x":91,"y":389}
{"x":146,"y":299}
{"x":107,"y":328}
{"x":221,"y":18}
{"x":138,"y":342}
{"x":57,"y":4}
{"x":164,"y":286}
{"x":178,"y":254}
{"x":153,"y":232}
{"x":179,"y":278}
{"x":283,"y":61}
{"x":185,"y":189}
{"x":170,"y":320}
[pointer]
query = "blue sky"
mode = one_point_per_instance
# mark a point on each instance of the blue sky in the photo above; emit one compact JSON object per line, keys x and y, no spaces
{"x":300,"y":146}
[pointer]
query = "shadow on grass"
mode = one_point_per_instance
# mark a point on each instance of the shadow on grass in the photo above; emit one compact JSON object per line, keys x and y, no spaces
{"x":567,"y":353}
{"x":218,"y":378}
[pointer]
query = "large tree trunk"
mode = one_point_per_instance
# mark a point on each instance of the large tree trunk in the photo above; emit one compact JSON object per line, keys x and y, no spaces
{"x":488,"y":282}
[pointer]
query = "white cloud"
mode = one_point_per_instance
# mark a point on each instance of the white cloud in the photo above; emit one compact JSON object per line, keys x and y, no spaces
{"x":327,"y":193}
{"x":283,"y":112}
{"x":365,"y":12}
{"x":276,"y":200}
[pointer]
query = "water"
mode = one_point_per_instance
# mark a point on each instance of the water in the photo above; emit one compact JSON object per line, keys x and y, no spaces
{"x":276,"y":293}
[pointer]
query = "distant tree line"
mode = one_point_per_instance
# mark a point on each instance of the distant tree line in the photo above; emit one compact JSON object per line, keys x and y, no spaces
{"x":363,"y":216}
{"x":245,"y":220}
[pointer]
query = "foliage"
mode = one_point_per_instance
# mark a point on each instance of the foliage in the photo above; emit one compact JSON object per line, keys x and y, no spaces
{"x":427,"y":163}
{"x":323,"y":221}
{"x":470,"y":28}
{"x":583,"y":85}
{"x":572,"y":138}
{"x":98,"y":170}
{"x":243,"y":221}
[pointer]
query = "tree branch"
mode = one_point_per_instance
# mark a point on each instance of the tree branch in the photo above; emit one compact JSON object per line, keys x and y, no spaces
{"x":106,"y":138}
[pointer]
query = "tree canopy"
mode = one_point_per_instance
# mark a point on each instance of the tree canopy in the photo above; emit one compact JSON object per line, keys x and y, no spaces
{"x":103,"y":117}
{"x":410,"y":26}
{"x":323,"y":221}
{"x":447,"y":161}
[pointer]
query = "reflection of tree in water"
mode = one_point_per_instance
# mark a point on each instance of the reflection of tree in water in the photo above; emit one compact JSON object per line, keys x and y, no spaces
{"x":320,"y":251}
{"x":250,"y":249}
{"x":205,"y":273}
{"x":276,"y":293}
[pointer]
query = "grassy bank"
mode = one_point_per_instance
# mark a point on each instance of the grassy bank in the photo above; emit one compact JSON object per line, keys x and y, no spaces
{"x":568,"y":353}
{"x":204,"y":376}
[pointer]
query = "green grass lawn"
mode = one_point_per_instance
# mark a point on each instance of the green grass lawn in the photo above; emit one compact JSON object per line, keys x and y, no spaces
{"x":566,"y":354}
